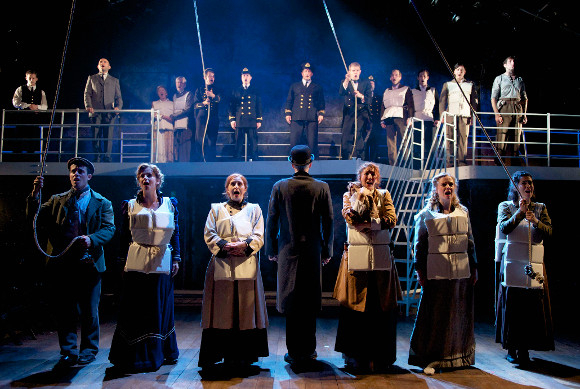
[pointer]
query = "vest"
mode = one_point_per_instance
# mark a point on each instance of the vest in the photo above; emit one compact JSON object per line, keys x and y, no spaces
{"x":165,"y":108}
{"x":447,"y":257}
{"x":457,"y":104}
{"x":151,"y":231}
{"x":516,"y":256}
{"x":393,"y":100}
{"x":31,"y":97}
{"x":424,"y":103}
{"x":235,"y":228}
{"x":179,"y":104}
{"x":368,"y":251}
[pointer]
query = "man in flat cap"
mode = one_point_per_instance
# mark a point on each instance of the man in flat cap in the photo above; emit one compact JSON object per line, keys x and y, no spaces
{"x":299,"y":236}
{"x":245,"y":115}
{"x":75,"y":277}
{"x":305,"y":109}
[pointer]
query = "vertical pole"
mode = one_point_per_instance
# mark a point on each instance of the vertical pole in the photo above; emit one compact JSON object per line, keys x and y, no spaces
{"x":78,"y":116}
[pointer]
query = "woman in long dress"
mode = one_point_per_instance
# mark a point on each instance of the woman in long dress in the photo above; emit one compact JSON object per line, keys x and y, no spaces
{"x":165,"y":151}
{"x":445,"y":263}
{"x":234,"y":317}
{"x":523,"y":315}
{"x":368,"y":284}
{"x":145,"y":335}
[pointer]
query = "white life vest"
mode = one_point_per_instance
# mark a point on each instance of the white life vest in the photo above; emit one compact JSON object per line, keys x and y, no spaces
{"x":235,"y":228}
{"x":394,"y":100}
{"x":424,"y":102}
{"x":457,"y":104}
{"x":179,"y":104}
{"x":151,"y":231}
{"x":368,"y":251}
{"x":164,"y":108}
{"x":447,"y":256}
{"x":516,"y":256}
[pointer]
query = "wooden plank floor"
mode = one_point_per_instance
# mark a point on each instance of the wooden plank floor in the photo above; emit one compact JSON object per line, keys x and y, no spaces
{"x":30,"y":365}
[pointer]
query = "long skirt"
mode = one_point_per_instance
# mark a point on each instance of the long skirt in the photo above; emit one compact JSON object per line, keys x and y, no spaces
{"x":370,"y":335}
{"x":524,"y":319}
{"x":443,"y":335}
{"x":145,"y":333}
{"x":233,"y":344}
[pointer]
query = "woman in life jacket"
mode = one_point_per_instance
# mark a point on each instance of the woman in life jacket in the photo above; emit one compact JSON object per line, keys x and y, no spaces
{"x":144,"y":338}
{"x":523,"y":314}
{"x":446,"y":267}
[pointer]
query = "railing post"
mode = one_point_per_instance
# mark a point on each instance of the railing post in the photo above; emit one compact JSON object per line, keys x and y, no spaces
{"x":548,"y":140}
{"x":154,"y":136}
{"x":61,"y":134}
{"x":2,"y":135}
{"x":78,"y":115}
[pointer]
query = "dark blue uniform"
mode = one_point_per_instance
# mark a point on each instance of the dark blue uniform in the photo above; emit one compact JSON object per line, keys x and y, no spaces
{"x":246,"y":111}
{"x":304,"y":105}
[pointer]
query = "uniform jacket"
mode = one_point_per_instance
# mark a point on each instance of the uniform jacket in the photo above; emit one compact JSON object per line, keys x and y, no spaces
{"x":99,"y":218}
{"x":364,"y":86}
{"x":201,"y":109}
{"x":299,"y":206}
{"x":103,"y":94}
{"x":245,"y":107}
{"x":305,"y":103}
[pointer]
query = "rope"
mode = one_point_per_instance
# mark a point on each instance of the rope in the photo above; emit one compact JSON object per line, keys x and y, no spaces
{"x":464,"y":96}
{"x":352,"y":82}
{"x":203,"y":73}
{"x":45,"y":152}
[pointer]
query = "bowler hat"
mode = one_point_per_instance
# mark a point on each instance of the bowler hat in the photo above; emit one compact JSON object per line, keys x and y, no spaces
{"x":300,"y":155}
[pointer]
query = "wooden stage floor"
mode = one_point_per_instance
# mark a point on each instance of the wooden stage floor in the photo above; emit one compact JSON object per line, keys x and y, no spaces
{"x":30,"y":365}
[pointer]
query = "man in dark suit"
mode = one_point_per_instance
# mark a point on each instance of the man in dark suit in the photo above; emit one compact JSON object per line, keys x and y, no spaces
{"x":75,"y":277}
{"x":354,"y":89}
{"x":373,"y":126}
{"x":305,"y":109}
{"x":103,"y":92}
{"x":299,"y":236}
{"x":206,"y":98}
{"x":246,"y":116}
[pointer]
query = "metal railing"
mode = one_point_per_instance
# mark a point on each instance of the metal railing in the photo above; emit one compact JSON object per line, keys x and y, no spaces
{"x":24,"y":133}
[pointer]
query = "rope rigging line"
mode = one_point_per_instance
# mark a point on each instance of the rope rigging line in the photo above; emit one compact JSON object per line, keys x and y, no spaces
{"x":464,"y":95}
{"x":346,"y":68}
{"x":47,"y":144}
{"x":205,"y":83}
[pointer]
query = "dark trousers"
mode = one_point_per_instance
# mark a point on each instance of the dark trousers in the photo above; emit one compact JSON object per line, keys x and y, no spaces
{"x":207,"y":142}
{"x":252,"y":142}
{"x":103,"y":126}
{"x":301,"y":333}
{"x":298,"y":127}
{"x":348,"y":135}
{"x":76,"y":292}
{"x":395,"y":131}
{"x":182,"y":144}
{"x":372,"y":136}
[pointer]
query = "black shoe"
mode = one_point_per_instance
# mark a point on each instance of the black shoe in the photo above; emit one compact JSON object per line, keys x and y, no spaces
{"x":86,"y":359}
{"x":288,"y":359}
{"x":66,"y":361}
{"x":523,"y":357}
{"x":512,"y":356}
{"x":170,"y":361}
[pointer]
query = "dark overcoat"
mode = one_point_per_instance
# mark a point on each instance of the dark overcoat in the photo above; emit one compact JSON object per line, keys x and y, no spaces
{"x":299,"y":230}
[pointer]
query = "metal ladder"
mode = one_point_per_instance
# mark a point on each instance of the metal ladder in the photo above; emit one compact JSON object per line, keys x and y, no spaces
{"x":409,"y":183}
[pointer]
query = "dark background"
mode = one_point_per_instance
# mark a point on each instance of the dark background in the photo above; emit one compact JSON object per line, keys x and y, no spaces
{"x":151,"y":42}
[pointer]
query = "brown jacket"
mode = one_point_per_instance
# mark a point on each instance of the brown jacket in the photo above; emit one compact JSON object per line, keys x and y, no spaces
{"x":351,"y":286}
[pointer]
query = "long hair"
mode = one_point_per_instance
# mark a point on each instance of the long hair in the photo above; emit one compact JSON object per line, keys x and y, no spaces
{"x":230,"y":178}
{"x":513,"y":193}
{"x":433,"y":198}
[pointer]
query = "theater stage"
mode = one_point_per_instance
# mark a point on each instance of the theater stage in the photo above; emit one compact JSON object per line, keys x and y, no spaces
{"x":29,"y":365}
